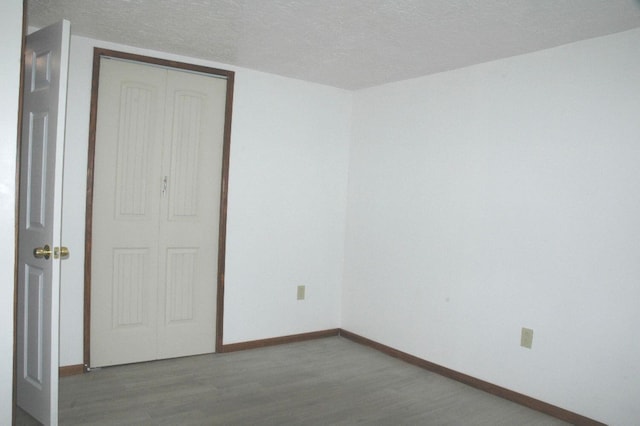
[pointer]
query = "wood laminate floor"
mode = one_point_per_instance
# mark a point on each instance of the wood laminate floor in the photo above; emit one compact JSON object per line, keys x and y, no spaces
{"x":330,"y":381}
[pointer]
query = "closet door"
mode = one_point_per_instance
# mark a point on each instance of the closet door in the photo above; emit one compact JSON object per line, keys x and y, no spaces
{"x":156,"y":195}
{"x":189,"y":214}
{"x":126,"y":210}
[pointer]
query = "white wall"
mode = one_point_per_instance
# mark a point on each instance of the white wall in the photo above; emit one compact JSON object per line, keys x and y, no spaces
{"x":499,"y":196}
{"x":287,"y":202}
{"x":287,"y":207}
{"x":11,"y":30}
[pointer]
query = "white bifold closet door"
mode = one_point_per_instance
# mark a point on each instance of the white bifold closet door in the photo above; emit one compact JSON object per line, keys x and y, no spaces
{"x":156,"y":198}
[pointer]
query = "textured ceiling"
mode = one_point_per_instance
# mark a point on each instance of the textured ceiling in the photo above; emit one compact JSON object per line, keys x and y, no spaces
{"x":344,"y":43}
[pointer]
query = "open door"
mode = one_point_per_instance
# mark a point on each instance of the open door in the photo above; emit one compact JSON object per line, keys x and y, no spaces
{"x":40,"y":217}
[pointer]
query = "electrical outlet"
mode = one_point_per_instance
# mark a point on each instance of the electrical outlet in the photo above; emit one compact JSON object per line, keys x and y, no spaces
{"x":526,"y":338}
{"x":300,"y":294}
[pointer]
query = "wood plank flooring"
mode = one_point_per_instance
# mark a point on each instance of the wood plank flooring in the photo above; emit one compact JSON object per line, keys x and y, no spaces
{"x":330,"y":381}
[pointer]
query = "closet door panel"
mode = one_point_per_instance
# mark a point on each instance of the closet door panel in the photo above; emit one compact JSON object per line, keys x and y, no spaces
{"x":126,"y":206}
{"x":192,"y":169}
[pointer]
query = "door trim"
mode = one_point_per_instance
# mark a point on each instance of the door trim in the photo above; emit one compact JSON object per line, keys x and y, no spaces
{"x":99,"y":53}
{"x":16,"y":226}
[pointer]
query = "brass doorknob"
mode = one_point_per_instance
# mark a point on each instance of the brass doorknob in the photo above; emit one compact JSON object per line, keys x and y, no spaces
{"x":42,"y":252}
{"x":60,"y":252}
{"x":46,"y":252}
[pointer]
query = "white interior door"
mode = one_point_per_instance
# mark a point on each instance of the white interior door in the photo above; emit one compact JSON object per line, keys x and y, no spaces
{"x":40,"y":218}
{"x":157,"y":171}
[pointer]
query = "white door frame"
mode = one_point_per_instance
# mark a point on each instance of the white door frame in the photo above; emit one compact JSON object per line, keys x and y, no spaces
{"x":229,"y":75}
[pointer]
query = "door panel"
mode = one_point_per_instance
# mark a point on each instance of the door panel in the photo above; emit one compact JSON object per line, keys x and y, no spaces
{"x":128,"y":155}
{"x":40,"y":217}
{"x":188,"y":241}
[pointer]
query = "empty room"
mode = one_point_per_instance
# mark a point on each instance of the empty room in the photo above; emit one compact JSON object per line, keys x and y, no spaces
{"x":320,"y":212}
